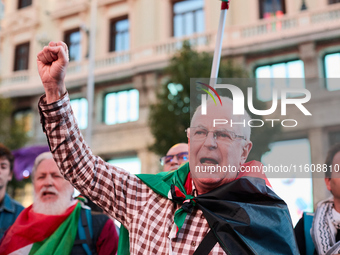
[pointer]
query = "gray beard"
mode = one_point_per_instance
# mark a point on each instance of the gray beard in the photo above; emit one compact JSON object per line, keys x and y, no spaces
{"x":57,"y":207}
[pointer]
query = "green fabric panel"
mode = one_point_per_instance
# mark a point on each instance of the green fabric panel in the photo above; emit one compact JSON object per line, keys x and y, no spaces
{"x":161,"y":182}
{"x":61,"y":241}
{"x":123,"y":243}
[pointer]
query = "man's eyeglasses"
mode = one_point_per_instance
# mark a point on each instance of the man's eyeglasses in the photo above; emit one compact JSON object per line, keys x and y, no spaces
{"x":181,"y":157}
{"x":222,"y":135}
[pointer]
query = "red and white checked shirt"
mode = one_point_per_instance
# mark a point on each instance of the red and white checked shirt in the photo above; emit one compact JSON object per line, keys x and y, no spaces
{"x":149,"y":217}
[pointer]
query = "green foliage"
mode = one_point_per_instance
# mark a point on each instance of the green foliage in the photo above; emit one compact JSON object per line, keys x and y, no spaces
{"x":170,"y":116}
{"x":12,"y":132}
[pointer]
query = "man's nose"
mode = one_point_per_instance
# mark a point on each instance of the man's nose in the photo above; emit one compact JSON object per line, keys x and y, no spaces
{"x":174,"y":161}
{"x":48,"y":181}
{"x":210,"y":141}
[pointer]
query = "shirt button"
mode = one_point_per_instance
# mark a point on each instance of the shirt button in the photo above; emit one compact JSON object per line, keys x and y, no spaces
{"x":193,"y":243}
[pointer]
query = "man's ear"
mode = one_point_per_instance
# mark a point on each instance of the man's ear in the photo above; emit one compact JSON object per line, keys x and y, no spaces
{"x":188,"y":136}
{"x":328,"y":183}
{"x":245,"y":151}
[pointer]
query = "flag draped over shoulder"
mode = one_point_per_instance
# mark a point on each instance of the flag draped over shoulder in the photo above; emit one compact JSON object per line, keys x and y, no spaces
{"x":240,"y":213}
{"x":34,"y":233}
{"x":245,"y":215}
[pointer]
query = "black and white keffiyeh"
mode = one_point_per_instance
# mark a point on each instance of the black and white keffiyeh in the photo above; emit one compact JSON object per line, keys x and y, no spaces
{"x":326,"y":223}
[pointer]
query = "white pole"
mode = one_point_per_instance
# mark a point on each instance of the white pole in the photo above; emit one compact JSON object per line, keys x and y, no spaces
{"x":218,"y":47}
{"x":90,"y":77}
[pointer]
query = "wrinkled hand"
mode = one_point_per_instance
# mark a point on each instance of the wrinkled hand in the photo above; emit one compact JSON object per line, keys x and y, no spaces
{"x":52,"y":63}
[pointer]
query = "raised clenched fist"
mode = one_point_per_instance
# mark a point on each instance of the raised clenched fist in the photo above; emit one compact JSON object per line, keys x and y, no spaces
{"x":52,"y":63}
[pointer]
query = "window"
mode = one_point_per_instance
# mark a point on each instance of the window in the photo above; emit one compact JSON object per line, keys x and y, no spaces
{"x":119,"y":35}
{"x":333,"y":138}
{"x":73,"y":39}
{"x":131,"y":164}
{"x":283,"y":74}
{"x":24,"y":3}
{"x":272,"y":8}
{"x":333,"y":1}
{"x":21,"y":56}
{"x":332,"y":70}
{"x":294,"y":190}
{"x":188,"y":17}
{"x":80,"y":108}
{"x":2,"y":10}
{"x":121,"y":107}
{"x":25,"y":117}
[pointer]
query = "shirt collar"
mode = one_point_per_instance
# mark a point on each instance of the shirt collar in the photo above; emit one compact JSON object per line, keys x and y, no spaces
{"x":194,"y":190}
{"x":7,"y":204}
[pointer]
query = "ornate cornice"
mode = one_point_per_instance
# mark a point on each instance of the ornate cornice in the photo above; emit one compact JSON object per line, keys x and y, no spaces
{"x":21,"y":20}
{"x":69,"y":8}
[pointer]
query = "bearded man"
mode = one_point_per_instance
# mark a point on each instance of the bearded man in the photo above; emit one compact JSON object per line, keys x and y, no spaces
{"x":56,"y":223}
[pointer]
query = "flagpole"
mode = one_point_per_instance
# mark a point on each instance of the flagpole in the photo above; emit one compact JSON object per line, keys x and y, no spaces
{"x":219,"y":40}
{"x":90,"y":77}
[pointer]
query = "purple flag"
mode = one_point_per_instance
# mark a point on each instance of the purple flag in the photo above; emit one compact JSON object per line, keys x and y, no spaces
{"x":24,"y":160}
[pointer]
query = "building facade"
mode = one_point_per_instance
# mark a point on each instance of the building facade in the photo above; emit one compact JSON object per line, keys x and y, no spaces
{"x":136,"y":38}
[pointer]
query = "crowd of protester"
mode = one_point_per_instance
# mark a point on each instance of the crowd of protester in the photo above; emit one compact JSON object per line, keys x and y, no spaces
{"x":47,"y":224}
{"x":27,"y":230}
{"x":178,"y":211}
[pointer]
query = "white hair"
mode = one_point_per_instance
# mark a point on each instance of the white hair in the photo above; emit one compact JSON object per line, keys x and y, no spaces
{"x":38,"y":160}
{"x":227,"y":101}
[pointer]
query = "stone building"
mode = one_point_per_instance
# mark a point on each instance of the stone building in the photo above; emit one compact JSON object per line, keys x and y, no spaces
{"x":135,"y":39}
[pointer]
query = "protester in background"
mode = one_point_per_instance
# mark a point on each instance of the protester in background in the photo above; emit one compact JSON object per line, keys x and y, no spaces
{"x":9,"y":208}
{"x":326,"y":224}
{"x":176,"y":156}
{"x":57,"y":222}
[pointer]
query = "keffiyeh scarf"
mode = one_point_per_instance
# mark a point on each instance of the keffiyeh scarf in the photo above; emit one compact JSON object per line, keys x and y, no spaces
{"x":326,"y":224}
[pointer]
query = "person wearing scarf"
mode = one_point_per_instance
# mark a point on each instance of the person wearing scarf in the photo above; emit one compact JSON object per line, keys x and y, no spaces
{"x":250,"y":188}
{"x":325,"y":230}
{"x":36,"y":233}
{"x":50,"y":225}
{"x":206,"y":212}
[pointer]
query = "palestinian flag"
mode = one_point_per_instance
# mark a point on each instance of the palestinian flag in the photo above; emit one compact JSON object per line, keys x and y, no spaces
{"x":245,"y":215}
{"x":35,"y":233}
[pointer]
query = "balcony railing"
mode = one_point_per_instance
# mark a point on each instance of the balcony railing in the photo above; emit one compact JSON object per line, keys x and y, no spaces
{"x":276,"y":29}
{"x":16,"y":78}
{"x":142,"y":55}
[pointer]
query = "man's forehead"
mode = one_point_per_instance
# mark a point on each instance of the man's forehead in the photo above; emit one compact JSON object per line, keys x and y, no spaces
{"x":47,"y":166}
{"x":178,"y":148}
{"x":4,"y":160}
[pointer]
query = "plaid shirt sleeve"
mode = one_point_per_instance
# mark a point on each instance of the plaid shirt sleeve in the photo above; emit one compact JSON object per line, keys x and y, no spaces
{"x":118,"y":192}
